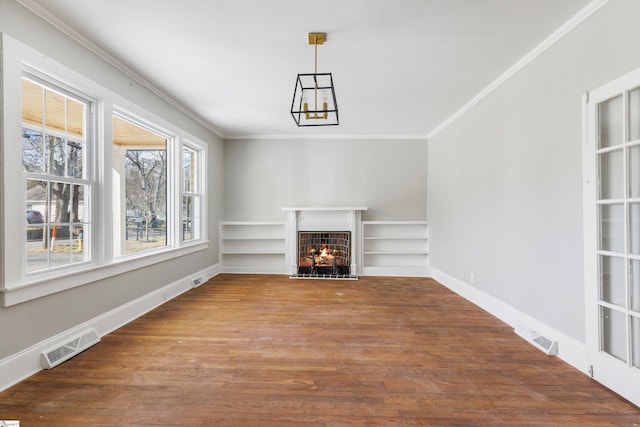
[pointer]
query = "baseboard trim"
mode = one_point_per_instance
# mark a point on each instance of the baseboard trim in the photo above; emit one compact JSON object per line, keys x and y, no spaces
{"x":570,"y":350}
{"x":254,"y":269}
{"x":396,"y":271}
{"x":25,"y":363}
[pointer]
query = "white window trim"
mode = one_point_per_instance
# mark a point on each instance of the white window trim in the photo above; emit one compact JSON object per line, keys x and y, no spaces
{"x":201,"y":150}
{"x":15,"y":285}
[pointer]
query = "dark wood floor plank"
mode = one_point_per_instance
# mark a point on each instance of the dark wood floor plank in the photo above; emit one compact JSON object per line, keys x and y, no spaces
{"x":265,"y":350}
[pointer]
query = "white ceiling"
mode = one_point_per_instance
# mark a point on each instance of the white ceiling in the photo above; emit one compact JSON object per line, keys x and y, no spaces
{"x":400,"y":67}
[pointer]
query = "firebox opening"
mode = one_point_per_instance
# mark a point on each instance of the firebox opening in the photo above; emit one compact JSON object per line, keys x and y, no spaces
{"x":324,"y":253}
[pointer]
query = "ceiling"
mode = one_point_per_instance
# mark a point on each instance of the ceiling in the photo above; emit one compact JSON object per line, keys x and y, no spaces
{"x":401,"y":67}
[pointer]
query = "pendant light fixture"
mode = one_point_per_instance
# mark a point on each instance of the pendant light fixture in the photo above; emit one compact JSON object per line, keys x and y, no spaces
{"x":314,"y":98}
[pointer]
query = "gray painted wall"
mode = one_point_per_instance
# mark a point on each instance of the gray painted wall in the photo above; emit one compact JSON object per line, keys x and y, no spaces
{"x":387,"y":176}
{"x":505,"y":179}
{"x":28,"y":323}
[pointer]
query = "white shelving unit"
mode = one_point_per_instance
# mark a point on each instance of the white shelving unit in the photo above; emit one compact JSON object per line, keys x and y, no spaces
{"x":395,"y":248}
{"x":252,"y":247}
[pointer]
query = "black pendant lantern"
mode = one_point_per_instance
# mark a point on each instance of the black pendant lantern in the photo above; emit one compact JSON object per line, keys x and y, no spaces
{"x":314,"y":98}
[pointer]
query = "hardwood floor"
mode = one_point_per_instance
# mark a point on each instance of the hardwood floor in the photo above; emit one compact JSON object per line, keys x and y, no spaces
{"x":270,"y":351}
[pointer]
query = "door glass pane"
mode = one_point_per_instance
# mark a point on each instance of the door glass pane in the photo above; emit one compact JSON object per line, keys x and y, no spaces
{"x":634,"y":228}
{"x":635,"y":285}
{"x":612,"y":228}
{"x":634,"y":171}
{"x":634,"y":114}
{"x":613,"y":333}
{"x":635,"y":339}
{"x":612,"y":286}
{"x":610,"y":122}
{"x":610,"y":169}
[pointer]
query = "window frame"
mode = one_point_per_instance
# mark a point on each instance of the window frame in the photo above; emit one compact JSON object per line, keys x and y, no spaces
{"x":199,"y":222}
{"x":15,"y":286}
{"x":88,"y":179}
{"x":171,"y":141}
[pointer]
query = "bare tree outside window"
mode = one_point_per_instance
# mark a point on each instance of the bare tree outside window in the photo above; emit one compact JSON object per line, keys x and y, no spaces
{"x":146,"y":188}
{"x":140,"y":159}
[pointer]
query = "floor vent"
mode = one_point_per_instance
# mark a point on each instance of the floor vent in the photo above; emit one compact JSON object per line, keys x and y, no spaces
{"x":197,"y":281}
{"x":57,"y":355}
{"x":545,"y":344}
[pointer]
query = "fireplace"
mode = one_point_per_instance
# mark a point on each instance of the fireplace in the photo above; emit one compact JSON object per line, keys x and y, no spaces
{"x":324,"y":254}
{"x":312,"y":229}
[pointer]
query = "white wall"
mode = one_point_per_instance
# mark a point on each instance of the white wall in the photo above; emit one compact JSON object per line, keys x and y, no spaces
{"x":505,"y":191}
{"x":26,"y":324}
{"x":387,"y":176}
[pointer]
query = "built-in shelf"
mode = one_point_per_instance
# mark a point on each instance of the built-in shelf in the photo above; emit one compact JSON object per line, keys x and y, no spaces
{"x":395,"y":248}
{"x":252,"y":247}
{"x":396,"y":253}
{"x":386,"y":248}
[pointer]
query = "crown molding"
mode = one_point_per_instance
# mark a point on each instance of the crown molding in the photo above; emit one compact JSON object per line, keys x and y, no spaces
{"x":333,"y":136}
{"x":82,"y":40}
{"x":558,"y":34}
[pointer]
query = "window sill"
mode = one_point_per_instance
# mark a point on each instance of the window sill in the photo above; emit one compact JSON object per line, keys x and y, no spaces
{"x":83,"y":275}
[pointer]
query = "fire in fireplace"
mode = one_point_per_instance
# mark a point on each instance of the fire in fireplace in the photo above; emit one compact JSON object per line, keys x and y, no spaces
{"x":323,"y":253}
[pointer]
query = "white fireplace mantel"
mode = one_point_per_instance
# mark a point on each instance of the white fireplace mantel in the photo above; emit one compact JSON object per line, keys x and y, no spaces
{"x":323,"y":219}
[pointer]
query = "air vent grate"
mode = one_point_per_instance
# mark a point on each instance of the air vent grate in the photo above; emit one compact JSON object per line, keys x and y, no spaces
{"x":62,"y":352}
{"x":543,"y":343}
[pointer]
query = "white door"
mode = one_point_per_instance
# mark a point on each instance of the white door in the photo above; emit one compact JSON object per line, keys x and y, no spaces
{"x":612,"y":234}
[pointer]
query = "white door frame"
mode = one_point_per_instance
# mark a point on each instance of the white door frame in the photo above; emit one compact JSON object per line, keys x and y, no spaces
{"x":604,"y":368}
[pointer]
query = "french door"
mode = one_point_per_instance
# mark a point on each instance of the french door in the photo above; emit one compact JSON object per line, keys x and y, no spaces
{"x":612,"y":234}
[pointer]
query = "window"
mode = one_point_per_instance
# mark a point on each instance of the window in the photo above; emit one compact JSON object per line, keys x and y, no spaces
{"x":191,"y":193}
{"x":93,"y":185}
{"x":55,"y":174}
{"x":140,"y":158}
